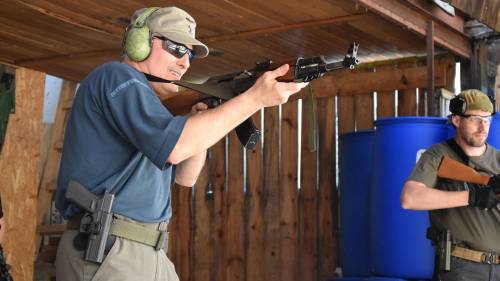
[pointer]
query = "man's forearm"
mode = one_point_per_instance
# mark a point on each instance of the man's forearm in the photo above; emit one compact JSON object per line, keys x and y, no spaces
{"x":417,"y":196}
{"x":205,"y":129}
{"x":187,"y":171}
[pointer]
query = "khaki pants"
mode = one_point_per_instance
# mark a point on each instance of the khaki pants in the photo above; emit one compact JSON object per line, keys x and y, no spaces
{"x":126,"y":260}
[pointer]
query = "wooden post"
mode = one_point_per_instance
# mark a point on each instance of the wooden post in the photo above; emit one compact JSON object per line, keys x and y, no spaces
{"x":497,"y":89}
{"x":430,"y":69}
{"x":20,"y":173}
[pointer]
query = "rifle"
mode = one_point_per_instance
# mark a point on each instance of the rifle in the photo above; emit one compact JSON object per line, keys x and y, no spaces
{"x":5,"y":274}
{"x":455,"y":170}
{"x":221,"y":88}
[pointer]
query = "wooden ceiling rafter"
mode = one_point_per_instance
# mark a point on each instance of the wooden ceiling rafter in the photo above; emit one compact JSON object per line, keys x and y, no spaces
{"x":282,"y":28}
{"x":438,"y":14}
{"x":47,"y":35}
{"x":208,"y":39}
{"x":116,"y":33}
{"x":416,"y":21}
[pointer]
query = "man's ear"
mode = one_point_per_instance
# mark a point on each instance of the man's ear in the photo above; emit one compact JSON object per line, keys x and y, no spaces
{"x":455,"y":119}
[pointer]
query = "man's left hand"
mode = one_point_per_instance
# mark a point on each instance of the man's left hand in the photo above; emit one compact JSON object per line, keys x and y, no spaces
{"x":198,"y":108}
{"x":494,"y":183}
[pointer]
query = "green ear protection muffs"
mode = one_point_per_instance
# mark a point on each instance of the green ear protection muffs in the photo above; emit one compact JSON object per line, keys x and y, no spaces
{"x":138,"y":38}
{"x":458,"y":105}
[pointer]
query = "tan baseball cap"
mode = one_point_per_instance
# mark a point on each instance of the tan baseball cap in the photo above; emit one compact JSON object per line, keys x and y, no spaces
{"x":175,"y":24}
{"x":477,"y":100}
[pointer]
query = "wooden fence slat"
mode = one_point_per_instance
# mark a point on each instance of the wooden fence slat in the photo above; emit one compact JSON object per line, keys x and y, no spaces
{"x":407,"y":103}
{"x":346,"y":114}
{"x":183,"y":231}
{"x":328,"y":200}
{"x":385,"y":99}
{"x":219,"y":239}
{"x":422,"y":102}
{"x":271,"y":196}
{"x":449,"y":66}
{"x":255,"y":212}
{"x":407,"y":98}
{"x":288,"y":192}
{"x":385,"y":104}
{"x":172,"y":226}
{"x":363,"y":111}
{"x":308,"y":209}
{"x":20,"y":173}
{"x":203,"y":208}
{"x":235,"y":265}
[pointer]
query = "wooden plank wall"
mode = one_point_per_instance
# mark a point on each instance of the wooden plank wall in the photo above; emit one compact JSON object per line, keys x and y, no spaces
{"x":261,"y":227}
{"x":20,"y":173}
{"x":249,"y":217}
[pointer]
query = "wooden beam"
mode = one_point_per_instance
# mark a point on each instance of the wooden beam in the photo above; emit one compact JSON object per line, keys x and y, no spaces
{"x":352,"y":83}
{"x":416,"y":21}
{"x":20,"y":166}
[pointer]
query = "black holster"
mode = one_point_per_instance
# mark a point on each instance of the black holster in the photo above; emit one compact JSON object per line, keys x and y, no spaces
{"x":442,"y":241}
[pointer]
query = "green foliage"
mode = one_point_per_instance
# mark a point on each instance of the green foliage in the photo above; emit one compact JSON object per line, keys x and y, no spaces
{"x":7,"y":102}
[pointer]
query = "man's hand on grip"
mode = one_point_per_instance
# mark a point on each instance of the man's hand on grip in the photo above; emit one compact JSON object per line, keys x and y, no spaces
{"x":482,"y":196}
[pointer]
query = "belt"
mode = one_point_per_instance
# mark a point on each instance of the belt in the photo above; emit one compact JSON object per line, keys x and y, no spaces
{"x":154,"y":237}
{"x":476,"y":256}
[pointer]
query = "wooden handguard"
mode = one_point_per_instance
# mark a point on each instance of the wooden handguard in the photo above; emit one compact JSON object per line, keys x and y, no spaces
{"x":454,"y":170}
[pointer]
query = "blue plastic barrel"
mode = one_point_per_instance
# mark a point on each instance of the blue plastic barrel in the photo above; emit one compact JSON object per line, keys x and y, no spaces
{"x":356,"y":150}
{"x":494,"y":135}
{"x":348,"y":279}
{"x":383,"y":279}
{"x":398,"y":247}
{"x":366,"y":279}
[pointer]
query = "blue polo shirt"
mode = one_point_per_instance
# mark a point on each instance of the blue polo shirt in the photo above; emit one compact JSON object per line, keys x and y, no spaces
{"x":118,"y":138}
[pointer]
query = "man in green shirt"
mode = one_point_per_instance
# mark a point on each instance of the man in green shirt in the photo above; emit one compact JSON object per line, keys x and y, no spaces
{"x":470,"y":212}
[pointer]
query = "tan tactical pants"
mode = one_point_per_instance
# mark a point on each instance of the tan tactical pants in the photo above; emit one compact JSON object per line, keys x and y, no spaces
{"x":126,"y":260}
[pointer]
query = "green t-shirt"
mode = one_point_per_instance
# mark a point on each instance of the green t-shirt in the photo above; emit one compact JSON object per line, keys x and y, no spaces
{"x":478,"y":229}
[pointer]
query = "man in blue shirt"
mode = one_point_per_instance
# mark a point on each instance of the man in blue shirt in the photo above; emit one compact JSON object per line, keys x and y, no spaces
{"x":121,"y":139}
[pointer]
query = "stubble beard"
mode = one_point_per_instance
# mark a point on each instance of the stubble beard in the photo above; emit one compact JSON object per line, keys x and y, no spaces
{"x":471,"y":141}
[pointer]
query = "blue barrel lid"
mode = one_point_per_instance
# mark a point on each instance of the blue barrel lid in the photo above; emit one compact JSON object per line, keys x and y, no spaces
{"x":410,"y":119}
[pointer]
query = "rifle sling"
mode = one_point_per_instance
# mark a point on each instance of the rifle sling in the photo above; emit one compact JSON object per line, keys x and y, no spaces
{"x":458,"y":150}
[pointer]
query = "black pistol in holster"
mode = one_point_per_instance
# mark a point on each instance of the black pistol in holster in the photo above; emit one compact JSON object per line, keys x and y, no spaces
{"x":97,"y":219}
{"x":441,"y":239}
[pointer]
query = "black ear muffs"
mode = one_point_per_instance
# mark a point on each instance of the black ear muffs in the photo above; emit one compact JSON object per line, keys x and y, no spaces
{"x":138,"y":38}
{"x":458,"y":105}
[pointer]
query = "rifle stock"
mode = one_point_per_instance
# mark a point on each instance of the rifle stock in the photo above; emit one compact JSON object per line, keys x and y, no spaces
{"x":454,"y":170}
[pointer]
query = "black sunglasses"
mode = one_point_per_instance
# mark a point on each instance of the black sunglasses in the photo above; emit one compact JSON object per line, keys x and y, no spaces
{"x":178,"y":50}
